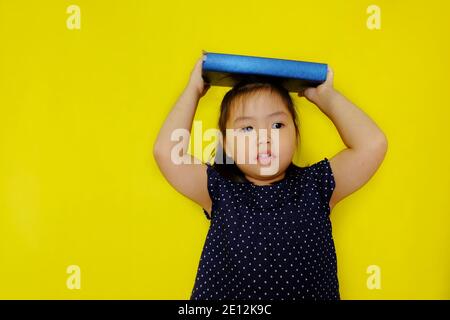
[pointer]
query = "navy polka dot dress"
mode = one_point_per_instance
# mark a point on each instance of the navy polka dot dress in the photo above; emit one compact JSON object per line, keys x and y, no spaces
{"x":271,"y":242}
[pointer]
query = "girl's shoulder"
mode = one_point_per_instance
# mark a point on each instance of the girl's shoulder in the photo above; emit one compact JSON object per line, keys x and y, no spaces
{"x":315,"y":179}
{"x":318,"y":174}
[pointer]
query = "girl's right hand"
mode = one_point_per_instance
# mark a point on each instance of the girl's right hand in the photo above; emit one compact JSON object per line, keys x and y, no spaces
{"x":196,"y":81}
{"x":321,"y":94}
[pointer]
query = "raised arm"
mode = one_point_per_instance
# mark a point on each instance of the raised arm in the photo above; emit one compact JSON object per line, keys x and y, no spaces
{"x":189,"y":178}
{"x":366,"y":143}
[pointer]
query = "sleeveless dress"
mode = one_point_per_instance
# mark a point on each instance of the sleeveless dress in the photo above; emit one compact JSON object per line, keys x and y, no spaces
{"x":271,"y":242}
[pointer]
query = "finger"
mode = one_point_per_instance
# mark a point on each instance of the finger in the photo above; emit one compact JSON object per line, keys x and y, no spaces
{"x":310,"y":93}
{"x":199,"y":64}
{"x":330,"y":74}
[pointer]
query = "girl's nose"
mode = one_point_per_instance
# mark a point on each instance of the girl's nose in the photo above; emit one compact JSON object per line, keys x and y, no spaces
{"x":264,"y":136}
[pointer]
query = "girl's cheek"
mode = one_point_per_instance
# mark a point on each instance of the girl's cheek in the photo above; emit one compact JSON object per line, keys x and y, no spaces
{"x":240,"y":149}
{"x":246,"y":149}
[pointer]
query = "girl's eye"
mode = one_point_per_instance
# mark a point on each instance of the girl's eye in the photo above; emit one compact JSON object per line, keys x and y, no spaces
{"x":247,"y":129}
{"x":277,"y":125}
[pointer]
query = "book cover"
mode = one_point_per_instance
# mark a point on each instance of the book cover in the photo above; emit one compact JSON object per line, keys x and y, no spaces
{"x":221,"y":69}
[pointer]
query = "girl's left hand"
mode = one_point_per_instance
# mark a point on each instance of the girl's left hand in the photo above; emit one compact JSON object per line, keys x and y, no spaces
{"x":321,"y":93}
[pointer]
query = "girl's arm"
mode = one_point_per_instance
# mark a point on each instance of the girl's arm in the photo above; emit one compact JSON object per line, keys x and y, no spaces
{"x":366,"y":143}
{"x":189,"y":178}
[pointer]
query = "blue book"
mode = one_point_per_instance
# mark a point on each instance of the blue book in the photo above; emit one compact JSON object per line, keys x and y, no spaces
{"x":226,"y":70}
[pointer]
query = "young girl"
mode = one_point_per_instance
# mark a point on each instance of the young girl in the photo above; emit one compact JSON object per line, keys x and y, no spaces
{"x":270,"y":236}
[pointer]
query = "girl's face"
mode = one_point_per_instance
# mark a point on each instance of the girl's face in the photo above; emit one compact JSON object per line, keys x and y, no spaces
{"x":261,"y":137}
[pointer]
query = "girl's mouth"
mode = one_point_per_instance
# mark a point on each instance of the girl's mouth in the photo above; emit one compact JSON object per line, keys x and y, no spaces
{"x":265,"y":158}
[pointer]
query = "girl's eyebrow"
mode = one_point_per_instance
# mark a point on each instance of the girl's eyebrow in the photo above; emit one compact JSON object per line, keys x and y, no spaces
{"x":268,"y":116}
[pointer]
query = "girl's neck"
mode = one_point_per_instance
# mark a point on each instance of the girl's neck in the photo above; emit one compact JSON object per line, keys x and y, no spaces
{"x":260,"y":182}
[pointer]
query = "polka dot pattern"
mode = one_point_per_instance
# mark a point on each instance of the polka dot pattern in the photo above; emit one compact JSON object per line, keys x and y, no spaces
{"x":271,"y":242}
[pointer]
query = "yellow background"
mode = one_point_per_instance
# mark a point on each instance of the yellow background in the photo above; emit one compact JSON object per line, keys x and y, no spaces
{"x":80,"y":109}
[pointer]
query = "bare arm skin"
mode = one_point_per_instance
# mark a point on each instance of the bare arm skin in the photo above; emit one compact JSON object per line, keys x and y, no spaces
{"x":188,"y":178}
{"x":366,"y":143}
